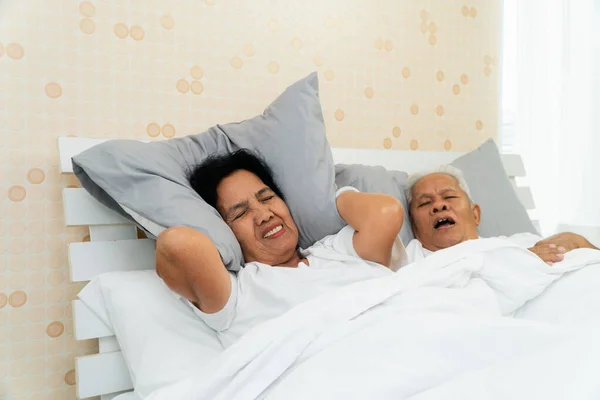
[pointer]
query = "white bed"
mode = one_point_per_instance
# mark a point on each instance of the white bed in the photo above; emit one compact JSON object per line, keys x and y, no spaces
{"x":114,"y":246}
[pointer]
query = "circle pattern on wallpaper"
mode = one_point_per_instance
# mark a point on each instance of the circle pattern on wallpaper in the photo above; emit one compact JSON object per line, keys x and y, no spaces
{"x":137,"y":32}
{"x":464,"y":79}
{"x":15,"y":51}
{"x":296,"y":43}
{"x":87,"y":9}
{"x":36,"y":175}
{"x":439,"y":110}
{"x":196,"y":72}
{"x":17,"y":193}
{"x":236,"y":62}
{"x":167,"y":22}
{"x":318,"y":61}
{"x":479,"y":125}
{"x":273,"y":24}
{"x":414,"y":144}
{"x":387,"y":143}
{"x":439,"y":76}
{"x":17,"y":299}
{"x":396,"y":131}
{"x":414,"y":109}
{"x":70,"y":378}
{"x":53,"y":90}
{"x":121,"y":30}
{"x":339,"y":114}
{"x":249,"y":49}
{"x":87,"y":26}
{"x":153,"y":129}
{"x":55,"y":329}
{"x":406,"y":72}
{"x":447,"y":145}
{"x":168,"y":130}
{"x":182,"y":86}
{"x":273,"y":67}
{"x":197,"y":87}
{"x":456,"y":89}
{"x":379,"y":43}
{"x":329,"y":75}
{"x":369,"y":92}
{"x":3,"y":300}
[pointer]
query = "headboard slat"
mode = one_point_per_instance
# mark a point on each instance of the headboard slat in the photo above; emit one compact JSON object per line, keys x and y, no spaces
{"x":100,"y":374}
{"x":89,"y":259}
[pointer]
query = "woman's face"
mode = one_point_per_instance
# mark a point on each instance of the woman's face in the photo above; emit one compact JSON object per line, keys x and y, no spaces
{"x":259,"y":218}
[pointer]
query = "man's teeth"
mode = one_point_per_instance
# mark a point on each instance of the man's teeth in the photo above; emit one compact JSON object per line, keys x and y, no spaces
{"x":273,"y":231}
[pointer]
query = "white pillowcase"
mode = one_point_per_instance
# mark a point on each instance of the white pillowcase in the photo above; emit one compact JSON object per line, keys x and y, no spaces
{"x":161,"y":338}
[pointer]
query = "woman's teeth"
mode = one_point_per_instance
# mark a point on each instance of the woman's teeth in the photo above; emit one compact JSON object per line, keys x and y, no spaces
{"x":273,"y":231}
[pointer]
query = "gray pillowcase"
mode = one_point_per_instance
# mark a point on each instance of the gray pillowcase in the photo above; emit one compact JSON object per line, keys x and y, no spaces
{"x":147,"y":182}
{"x":502,"y":213}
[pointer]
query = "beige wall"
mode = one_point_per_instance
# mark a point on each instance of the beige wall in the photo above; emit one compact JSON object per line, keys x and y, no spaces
{"x":408,"y":74}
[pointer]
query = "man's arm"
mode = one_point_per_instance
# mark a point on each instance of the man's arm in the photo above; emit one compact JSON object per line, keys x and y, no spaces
{"x":190,"y":264}
{"x":377,"y":220}
{"x":553,"y":248}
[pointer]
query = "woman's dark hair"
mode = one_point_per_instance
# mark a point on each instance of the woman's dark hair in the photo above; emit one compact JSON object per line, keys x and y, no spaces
{"x":206,"y":176}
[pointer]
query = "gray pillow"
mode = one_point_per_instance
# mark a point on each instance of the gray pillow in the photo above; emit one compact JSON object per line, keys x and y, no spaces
{"x":147,"y":182}
{"x":502,"y":213}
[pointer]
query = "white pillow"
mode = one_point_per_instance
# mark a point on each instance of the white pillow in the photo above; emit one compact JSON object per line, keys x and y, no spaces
{"x":161,"y":338}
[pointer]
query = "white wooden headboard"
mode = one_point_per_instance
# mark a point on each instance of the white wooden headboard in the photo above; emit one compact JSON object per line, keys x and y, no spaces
{"x":114,"y":246}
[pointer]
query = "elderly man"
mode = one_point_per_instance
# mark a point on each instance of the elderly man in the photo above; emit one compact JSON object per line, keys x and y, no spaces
{"x":443,"y":215}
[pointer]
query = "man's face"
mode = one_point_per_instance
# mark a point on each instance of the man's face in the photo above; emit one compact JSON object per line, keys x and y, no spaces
{"x":441,"y":213}
{"x":259,"y":219}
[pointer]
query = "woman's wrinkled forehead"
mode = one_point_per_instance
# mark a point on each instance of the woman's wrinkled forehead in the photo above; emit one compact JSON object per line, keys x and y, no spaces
{"x":238,"y":187}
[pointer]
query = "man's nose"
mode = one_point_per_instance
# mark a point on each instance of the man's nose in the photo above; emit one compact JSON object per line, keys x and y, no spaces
{"x":439,"y":206}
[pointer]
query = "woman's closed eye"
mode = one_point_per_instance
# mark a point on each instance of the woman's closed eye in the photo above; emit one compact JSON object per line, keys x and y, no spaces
{"x":267,"y":198}
{"x":240,"y":214}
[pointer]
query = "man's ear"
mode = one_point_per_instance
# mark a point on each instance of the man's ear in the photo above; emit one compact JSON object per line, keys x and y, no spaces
{"x":476,"y":213}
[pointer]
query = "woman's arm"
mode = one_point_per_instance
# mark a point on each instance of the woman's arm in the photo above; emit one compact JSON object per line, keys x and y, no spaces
{"x":376,"y":218}
{"x":190,"y":264}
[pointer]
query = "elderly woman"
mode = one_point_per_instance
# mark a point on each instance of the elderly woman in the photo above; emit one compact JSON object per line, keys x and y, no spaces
{"x":277,"y":274}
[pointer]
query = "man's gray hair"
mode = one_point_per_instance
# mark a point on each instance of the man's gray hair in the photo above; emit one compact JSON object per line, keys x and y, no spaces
{"x":442,"y":169}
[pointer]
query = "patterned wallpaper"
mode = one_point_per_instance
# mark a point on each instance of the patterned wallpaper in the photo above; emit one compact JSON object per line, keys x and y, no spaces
{"x":411,"y":74}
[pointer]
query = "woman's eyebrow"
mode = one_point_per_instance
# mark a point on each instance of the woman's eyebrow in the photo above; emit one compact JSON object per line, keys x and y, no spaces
{"x":262,"y":191}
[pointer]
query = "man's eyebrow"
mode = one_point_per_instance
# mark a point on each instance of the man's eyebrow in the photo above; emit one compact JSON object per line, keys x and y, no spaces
{"x":448,"y":190}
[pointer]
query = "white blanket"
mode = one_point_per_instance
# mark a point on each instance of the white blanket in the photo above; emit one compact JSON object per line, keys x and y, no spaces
{"x":442,"y":328}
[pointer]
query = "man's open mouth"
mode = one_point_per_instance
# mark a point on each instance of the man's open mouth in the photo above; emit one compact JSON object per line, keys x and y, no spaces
{"x":443,"y":222}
